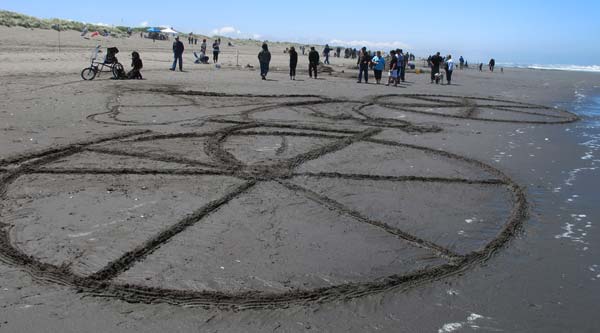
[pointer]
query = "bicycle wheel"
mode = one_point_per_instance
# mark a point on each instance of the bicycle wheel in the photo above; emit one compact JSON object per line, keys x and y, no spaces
{"x":117,"y":68}
{"x":88,"y":73}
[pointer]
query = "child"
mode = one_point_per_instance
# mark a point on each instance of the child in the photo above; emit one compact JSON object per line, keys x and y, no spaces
{"x":136,"y":63}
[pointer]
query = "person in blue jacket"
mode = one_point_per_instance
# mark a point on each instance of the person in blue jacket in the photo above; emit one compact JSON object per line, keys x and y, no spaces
{"x":378,"y":66}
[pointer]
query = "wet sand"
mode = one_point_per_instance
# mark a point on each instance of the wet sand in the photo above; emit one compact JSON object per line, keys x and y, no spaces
{"x":210,"y":200}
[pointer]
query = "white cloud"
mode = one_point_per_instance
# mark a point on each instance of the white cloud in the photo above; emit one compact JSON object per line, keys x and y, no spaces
{"x":144,"y":24}
{"x":384,"y":46}
{"x":226,"y":31}
{"x":102,"y":24}
{"x":229,"y":31}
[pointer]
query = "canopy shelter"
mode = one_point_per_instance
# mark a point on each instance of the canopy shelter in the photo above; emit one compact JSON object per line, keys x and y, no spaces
{"x":169,"y":31}
{"x":153,"y":30}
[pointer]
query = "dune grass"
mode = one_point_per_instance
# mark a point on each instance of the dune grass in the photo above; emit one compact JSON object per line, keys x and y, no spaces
{"x":12,"y":19}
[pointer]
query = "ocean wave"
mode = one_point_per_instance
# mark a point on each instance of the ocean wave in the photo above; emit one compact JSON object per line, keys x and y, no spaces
{"x":575,"y":68}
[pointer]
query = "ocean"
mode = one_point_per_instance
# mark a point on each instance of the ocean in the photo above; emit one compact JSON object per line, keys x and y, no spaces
{"x":573,"y":68}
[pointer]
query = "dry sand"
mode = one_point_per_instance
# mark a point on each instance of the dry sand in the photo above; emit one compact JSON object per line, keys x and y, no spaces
{"x":210,"y":200}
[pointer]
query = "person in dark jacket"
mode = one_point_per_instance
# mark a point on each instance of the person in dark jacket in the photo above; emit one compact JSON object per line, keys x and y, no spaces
{"x":326,"y":52}
{"x":492,"y":64}
{"x":313,"y":62}
{"x":178,"y":54}
{"x":364,"y":59}
{"x":402,"y":61}
{"x":264,"y":58}
{"x":293,"y":62}
{"x":436,"y":61}
{"x":216,"y":50}
{"x":136,"y":63}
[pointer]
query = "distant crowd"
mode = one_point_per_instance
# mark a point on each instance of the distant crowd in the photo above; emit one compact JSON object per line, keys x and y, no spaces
{"x":396,"y":61}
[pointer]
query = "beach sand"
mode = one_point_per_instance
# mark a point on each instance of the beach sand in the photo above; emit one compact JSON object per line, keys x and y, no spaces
{"x":210,"y":200}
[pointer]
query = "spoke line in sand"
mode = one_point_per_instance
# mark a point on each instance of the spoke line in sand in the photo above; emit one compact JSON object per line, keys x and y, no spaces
{"x":128,"y":259}
{"x":332,"y":204}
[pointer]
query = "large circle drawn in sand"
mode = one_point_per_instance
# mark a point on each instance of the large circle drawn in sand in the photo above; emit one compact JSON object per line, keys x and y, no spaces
{"x":476,"y":108}
{"x":190,"y":108}
{"x":251,"y":215}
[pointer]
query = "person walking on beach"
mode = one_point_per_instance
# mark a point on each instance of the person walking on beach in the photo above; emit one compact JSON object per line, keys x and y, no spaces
{"x":313,"y":62}
{"x":293,"y":62}
{"x":379,"y":62}
{"x":461,"y":62}
{"x":492,"y":64}
{"x":436,"y":60}
{"x":481,"y":67}
{"x":178,"y":49}
{"x":264,"y":58}
{"x":216,"y":50}
{"x":363,"y":65}
{"x":449,"y":67}
{"x":326,"y":52}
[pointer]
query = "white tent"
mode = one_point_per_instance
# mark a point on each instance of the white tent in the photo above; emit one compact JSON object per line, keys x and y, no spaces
{"x":169,"y":31}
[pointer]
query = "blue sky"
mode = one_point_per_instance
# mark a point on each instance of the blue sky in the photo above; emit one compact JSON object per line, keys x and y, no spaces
{"x":527,"y":32}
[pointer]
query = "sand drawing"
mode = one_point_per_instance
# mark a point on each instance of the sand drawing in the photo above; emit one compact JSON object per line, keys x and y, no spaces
{"x":330,"y":173}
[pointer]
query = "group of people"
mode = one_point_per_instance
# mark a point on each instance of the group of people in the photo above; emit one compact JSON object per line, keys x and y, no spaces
{"x":264,"y":59}
{"x":366,"y":61}
{"x":179,"y":48}
{"x":398,"y":61}
{"x":192,"y":40}
{"x":435,"y":62}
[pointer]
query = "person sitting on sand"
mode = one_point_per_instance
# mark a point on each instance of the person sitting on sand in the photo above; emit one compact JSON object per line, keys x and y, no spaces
{"x":136,"y":63}
{"x":201,"y":58}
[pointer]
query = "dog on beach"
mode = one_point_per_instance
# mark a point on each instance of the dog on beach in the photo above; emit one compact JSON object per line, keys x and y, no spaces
{"x":439,"y":77}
